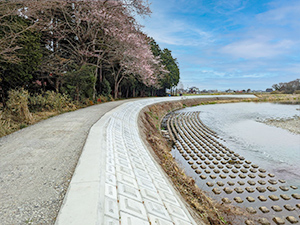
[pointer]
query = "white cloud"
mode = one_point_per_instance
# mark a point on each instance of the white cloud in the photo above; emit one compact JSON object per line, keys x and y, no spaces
{"x":287,"y":14}
{"x":257,"y":75}
{"x":235,"y":47}
{"x":256,"y":48}
{"x":230,"y":6}
{"x":177,"y":32}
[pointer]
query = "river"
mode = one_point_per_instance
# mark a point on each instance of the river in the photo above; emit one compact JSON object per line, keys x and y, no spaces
{"x":241,"y":127}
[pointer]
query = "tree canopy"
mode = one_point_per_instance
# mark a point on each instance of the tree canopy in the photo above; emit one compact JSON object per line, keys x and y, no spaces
{"x":169,"y":76}
{"x":288,"y":87}
{"x":51,"y":44}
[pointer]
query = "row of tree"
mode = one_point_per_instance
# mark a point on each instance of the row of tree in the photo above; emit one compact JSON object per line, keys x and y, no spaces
{"x":288,"y":87}
{"x":84,"y":48}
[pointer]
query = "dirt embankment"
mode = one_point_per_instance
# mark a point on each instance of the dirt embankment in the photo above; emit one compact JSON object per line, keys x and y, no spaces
{"x":201,"y":207}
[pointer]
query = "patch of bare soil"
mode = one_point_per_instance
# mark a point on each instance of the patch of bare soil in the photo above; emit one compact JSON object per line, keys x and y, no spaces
{"x":204,"y":209}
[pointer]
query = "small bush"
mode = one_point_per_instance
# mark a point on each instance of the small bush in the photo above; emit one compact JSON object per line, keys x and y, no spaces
{"x":4,"y":125}
{"x":110,"y":97}
{"x":102,"y":98}
{"x":51,"y":101}
{"x":22,"y":126}
{"x":275,"y":92}
{"x":17,"y":105}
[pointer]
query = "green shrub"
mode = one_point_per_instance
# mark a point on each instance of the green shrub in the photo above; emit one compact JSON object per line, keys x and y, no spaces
{"x":297,"y":92}
{"x":102,"y":98}
{"x":79,"y":83}
{"x":51,"y":101}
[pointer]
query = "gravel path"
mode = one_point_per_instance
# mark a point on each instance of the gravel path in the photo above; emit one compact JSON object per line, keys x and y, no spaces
{"x":37,"y":163}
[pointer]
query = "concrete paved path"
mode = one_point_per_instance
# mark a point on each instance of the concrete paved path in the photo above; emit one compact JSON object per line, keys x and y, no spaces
{"x":117,"y":181}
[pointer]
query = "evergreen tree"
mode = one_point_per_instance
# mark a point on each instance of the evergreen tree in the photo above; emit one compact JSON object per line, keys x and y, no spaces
{"x":20,"y":72}
{"x":172,"y":78}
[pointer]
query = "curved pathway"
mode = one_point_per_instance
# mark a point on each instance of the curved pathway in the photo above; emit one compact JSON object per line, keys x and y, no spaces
{"x":117,"y":181}
{"x":115,"y":177}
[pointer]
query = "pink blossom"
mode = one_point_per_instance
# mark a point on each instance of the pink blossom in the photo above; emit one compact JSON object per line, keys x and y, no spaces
{"x":38,"y":82}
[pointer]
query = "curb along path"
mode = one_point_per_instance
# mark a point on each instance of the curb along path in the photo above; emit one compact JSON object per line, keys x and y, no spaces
{"x":117,"y":181}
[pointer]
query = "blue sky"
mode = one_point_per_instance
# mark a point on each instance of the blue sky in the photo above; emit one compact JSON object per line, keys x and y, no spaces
{"x":222,"y":44}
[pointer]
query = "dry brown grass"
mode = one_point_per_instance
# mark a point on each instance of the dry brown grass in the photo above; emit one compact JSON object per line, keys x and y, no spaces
{"x":281,"y":98}
{"x":23,"y":110}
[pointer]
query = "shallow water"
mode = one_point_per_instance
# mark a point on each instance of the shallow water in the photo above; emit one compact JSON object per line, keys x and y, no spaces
{"x":241,"y":126}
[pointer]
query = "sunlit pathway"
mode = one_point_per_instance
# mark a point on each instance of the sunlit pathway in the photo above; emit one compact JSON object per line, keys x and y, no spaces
{"x":117,"y":180}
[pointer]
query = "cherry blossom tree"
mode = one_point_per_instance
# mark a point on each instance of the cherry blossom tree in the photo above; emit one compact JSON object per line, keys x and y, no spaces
{"x":132,"y":56}
{"x":85,"y":32}
{"x":100,"y":33}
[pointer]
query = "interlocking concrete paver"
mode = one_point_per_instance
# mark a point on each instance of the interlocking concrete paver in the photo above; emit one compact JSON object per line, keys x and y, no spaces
{"x":178,"y":212}
{"x":178,"y":221}
{"x":145,"y":183}
{"x":157,"y":177}
{"x":133,"y":207}
{"x":110,"y":191}
{"x":156,"y":209}
{"x":122,"y":178}
{"x":127,"y":219}
{"x":151,"y":195}
{"x":125,"y":170}
{"x":159,"y":221}
{"x":162,"y":187}
{"x":111,"y":179}
{"x":111,"y":208}
{"x":110,"y":221}
{"x":110,"y":168}
{"x":167,"y":197}
{"x":129,"y":191}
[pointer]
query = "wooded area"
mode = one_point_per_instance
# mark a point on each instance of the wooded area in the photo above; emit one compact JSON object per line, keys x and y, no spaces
{"x":84,"y":49}
{"x":288,"y":87}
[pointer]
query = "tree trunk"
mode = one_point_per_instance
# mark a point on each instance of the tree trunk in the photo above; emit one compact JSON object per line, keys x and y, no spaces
{"x":127,"y":92}
{"x":94,"y":84}
{"x":116,"y":90}
{"x":57,"y":85}
{"x":100,"y":78}
{"x":118,"y":81}
{"x":77,"y":93}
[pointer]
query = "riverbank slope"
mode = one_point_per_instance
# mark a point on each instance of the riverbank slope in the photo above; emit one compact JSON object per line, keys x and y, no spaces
{"x":201,"y":206}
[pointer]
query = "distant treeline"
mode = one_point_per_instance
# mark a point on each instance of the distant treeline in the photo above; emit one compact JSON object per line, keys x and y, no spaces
{"x":83,"y":49}
{"x":289,"y":87}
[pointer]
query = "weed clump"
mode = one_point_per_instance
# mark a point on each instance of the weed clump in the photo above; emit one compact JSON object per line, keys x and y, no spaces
{"x":51,"y":101}
{"x":17,"y":106}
